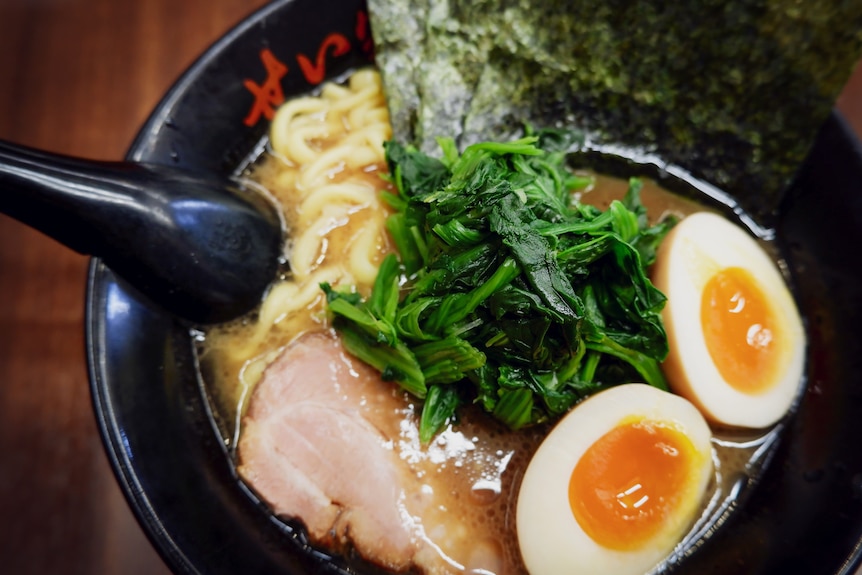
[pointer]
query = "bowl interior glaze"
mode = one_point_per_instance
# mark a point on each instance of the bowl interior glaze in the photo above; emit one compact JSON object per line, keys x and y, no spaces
{"x":803,"y":516}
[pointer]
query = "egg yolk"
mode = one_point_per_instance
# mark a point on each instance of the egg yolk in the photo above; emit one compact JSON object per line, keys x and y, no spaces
{"x":740,"y":330}
{"x":630,"y":482}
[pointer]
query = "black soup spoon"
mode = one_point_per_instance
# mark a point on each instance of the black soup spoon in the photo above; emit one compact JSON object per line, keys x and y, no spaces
{"x":194,"y":243}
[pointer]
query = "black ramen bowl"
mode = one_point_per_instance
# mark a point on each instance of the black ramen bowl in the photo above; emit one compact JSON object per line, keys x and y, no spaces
{"x":803,"y":515}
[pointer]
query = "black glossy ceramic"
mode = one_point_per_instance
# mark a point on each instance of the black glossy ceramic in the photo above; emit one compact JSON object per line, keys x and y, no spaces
{"x":195,"y":243}
{"x":804,"y":515}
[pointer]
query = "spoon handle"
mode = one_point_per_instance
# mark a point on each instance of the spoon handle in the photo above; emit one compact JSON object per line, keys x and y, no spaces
{"x":195,"y":243}
{"x":76,"y":202}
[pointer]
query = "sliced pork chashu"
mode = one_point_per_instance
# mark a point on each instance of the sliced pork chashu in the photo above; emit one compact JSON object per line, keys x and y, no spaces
{"x":326,"y":441}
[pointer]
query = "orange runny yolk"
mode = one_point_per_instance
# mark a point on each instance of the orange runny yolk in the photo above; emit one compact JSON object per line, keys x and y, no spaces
{"x":631,"y":482}
{"x":740,"y":330}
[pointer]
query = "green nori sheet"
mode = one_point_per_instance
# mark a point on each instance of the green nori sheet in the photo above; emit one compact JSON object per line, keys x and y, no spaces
{"x":733,"y":91}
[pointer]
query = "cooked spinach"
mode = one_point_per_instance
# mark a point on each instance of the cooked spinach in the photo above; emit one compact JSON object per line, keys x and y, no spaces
{"x":506,"y":291}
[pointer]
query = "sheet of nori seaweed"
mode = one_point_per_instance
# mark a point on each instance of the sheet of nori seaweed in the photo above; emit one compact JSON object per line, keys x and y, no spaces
{"x":733,"y":91}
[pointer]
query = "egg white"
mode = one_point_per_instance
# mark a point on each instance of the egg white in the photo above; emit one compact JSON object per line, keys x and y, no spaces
{"x":697,"y":248}
{"x":551,"y":540}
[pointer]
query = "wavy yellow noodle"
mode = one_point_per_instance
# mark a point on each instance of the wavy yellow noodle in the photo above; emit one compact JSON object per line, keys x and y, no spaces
{"x":280,"y":129}
{"x":362,"y":260}
{"x":312,"y":245}
{"x":355,"y":193}
{"x":326,"y":153}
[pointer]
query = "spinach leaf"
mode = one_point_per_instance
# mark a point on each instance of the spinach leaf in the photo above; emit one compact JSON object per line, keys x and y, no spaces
{"x":506,"y":291}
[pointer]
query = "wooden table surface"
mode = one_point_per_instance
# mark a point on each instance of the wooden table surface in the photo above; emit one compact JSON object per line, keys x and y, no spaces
{"x":76,"y":77}
{"x":79,"y":77}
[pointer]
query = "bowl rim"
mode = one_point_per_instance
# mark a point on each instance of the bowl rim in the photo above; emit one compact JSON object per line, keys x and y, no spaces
{"x":112,"y":436}
{"x":111,"y":433}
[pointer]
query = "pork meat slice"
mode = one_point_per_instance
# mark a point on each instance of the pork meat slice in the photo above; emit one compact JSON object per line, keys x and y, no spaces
{"x":309,"y":449}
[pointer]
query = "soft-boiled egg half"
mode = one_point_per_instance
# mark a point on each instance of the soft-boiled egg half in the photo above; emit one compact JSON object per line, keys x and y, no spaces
{"x":736,"y":340}
{"x":615,"y":485}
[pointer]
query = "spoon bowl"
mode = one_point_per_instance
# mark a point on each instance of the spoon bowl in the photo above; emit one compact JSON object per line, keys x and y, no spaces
{"x":195,"y":243}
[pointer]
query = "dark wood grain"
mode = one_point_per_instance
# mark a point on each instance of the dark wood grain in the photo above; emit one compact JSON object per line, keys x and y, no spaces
{"x":76,"y":77}
{"x":79,"y":77}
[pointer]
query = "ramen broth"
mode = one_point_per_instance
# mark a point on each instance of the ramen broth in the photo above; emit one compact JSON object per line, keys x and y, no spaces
{"x":478,"y":460}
